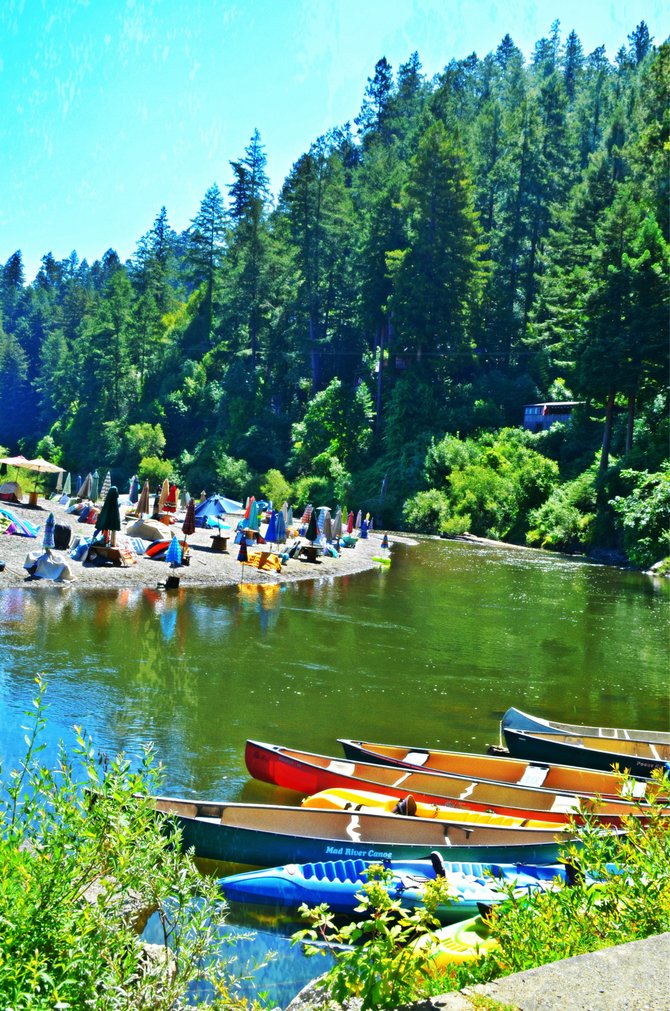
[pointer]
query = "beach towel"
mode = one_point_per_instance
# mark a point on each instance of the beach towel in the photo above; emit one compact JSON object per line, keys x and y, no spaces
{"x":18,"y":526}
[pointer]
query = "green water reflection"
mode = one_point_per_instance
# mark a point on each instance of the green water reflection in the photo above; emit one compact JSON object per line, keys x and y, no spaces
{"x":431,"y":651}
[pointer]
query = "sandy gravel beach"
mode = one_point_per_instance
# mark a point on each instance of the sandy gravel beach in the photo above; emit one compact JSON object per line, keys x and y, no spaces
{"x":206,"y":568}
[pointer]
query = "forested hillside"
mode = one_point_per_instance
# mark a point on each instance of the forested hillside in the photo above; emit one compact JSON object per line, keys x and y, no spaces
{"x":494,"y":236}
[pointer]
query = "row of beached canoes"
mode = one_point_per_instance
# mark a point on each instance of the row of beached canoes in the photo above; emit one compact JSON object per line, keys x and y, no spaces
{"x":482,"y":821}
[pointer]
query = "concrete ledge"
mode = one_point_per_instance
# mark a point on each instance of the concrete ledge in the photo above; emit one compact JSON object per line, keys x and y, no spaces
{"x":628,"y":977}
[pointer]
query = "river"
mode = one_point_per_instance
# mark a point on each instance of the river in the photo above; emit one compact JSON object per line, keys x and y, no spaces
{"x":431,"y":651}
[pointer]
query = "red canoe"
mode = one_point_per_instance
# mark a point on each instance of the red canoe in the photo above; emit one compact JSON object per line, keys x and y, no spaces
{"x":307,"y":773}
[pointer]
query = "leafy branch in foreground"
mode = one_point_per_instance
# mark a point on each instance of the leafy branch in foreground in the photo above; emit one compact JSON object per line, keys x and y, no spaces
{"x":85,"y":860}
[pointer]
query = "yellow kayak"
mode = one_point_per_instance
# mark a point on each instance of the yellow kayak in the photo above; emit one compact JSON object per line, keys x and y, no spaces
{"x":459,"y":942}
{"x":354,"y":800}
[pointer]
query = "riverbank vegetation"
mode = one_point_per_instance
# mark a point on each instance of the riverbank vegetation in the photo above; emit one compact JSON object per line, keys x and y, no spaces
{"x":84,"y":861}
{"x":492,"y":236}
{"x":383,"y":965}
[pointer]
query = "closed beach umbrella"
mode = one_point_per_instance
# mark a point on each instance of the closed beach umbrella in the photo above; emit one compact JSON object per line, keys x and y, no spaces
{"x":157,"y":504}
{"x":247,"y":510}
{"x":134,"y":492}
{"x":364,"y":530}
{"x":48,"y":540}
{"x":359,"y":519}
{"x":350,"y":523}
{"x":312,"y":531}
{"x":280,"y":532}
{"x":188,"y":526}
{"x":337,"y":526}
{"x":289,"y":517}
{"x":242,"y":556}
{"x":67,"y":485}
{"x":165,"y":491}
{"x":284,"y":512}
{"x":327,"y":530}
{"x":173,"y":555}
{"x":271,"y":533}
{"x":252,"y":520}
{"x":143,"y":501}
{"x":106,"y":485}
{"x":95,"y":483}
{"x":84,"y":490}
{"x":59,"y":481}
{"x":109,"y":517}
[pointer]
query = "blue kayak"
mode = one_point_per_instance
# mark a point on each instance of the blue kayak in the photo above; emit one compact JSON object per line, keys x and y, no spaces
{"x":339,"y":884}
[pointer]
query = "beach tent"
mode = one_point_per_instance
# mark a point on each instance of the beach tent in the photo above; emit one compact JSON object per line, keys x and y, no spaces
{"x":11,"y":491}
{"x":215,"y":506}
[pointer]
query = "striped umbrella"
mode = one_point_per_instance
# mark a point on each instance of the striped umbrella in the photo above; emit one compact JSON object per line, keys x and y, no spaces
{"x":106,"y":485}
{"x":49,"y":526}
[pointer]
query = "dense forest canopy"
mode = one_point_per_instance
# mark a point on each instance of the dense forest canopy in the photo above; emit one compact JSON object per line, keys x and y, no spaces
{"x":494,"y":236}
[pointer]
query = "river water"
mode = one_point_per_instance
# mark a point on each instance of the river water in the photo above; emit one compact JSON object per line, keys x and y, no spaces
{"x":431,"y":651}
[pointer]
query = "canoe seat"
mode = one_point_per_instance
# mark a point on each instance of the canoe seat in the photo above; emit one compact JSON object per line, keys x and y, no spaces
{"x":534,"y":775}
{"x":416,"y":757}
{"x":342,"y":768}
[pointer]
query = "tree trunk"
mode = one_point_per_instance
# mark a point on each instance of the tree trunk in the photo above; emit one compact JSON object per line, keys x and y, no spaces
{"x":380,"y":380}
{"x":607,"y":434}
{"x":631,"y":422}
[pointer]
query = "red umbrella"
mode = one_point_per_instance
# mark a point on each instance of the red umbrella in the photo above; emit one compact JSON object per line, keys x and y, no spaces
{"x":350,"y":522}
{"x":188,"y":526}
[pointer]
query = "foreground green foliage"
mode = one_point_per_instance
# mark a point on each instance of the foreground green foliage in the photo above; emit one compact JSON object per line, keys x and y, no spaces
{"x":630,"y":901}
{"x":82,"y":856}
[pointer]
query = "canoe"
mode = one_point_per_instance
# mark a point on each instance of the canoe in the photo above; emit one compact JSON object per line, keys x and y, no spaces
{"x":346,"y":799}
{"x":340,"y":882}
{"x":263,"y":835}
{"x":497,"y":769}
{"x":515,"y":719}
{"x":308,"y":773}
{"x":637,"y":757}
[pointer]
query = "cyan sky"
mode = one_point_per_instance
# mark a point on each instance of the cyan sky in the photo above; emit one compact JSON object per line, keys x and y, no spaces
{"x":111,"y":108}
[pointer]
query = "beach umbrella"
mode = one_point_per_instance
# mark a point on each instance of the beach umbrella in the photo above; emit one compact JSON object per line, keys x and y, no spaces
{"x":59,"y":482}
{"x":337,"y":526}
{"x":242,"y":556}
{"x":84,"y":489}
{"x":78,"y":481}
{"x":252,"y":519}
{"x":106,"y":485}
{"x":157,"y":504}
{"x":289,"y":517}
{"x":247,"y":508}
{"x":134,"y":491}
{"x":188,"y":526}
{"x":49,"y":526}
{"x":38,"y":465}
{"x":280,"y":532}
{"x":163,"y":497}
{"x":327,"y":529}
{"x":109,"y":517}
{"x":173,"y":555}
{"x":67,"y":485}
{"x":359,"y":519}
{"x":95,"y":485}
{"x":312,"y":531}
{"x":271,"y":532}
{"x":143,"y":501}
{"x":371,"y":524}
{"x":284,"y":512}
{"x":350,"y":523}
{"x":364,"y":530}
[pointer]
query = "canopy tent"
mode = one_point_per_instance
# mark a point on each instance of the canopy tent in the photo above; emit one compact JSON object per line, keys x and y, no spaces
{"x":215,"y":506}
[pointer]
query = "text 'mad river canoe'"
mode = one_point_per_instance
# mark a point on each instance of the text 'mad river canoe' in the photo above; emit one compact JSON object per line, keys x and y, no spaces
{"x":307,"y":773}
{"x":496,"y":769}
{"x":641,"y":752}
{"x":263,"y":835}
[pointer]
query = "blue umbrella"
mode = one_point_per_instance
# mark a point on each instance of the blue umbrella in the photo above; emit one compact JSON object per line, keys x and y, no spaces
{"x":280,"y":531}
{"x":173,"y":555}
{"x":48,"y":541}
{"x":271,"y":532}
{"x":252,"y":522}
{"x":364,"y":530}
{"x":134,"y":492}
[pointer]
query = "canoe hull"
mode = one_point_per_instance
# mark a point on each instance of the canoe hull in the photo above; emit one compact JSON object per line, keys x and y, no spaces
{"x":267,"y":835}
{"x":528,"y":746}
{"x":515,"y":719}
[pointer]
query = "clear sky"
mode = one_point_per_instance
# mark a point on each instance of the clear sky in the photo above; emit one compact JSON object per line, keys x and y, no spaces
{"x":111,"y":108}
